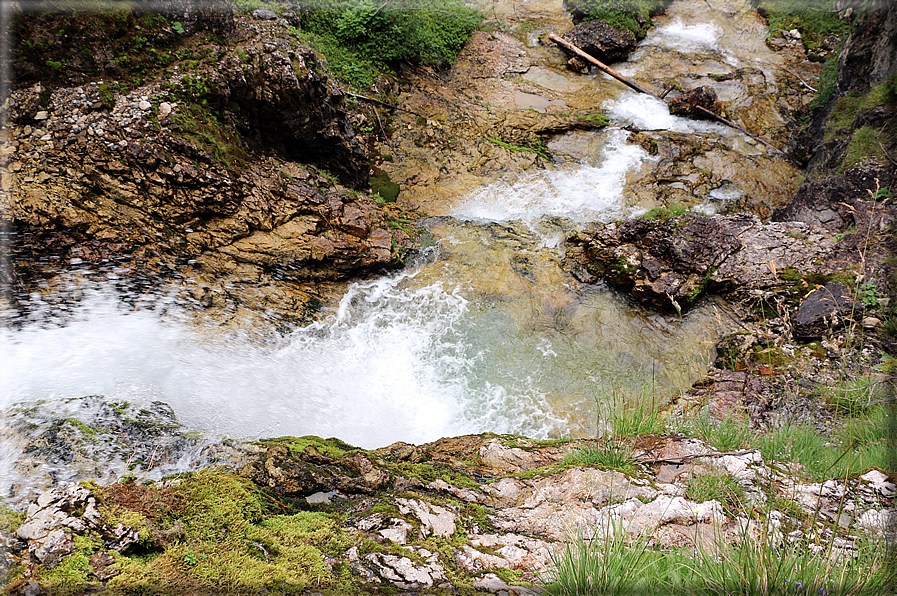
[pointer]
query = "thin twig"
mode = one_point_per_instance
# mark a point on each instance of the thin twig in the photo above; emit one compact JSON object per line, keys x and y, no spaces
{"x":685,"y":458}
{"x":382,"y":130}
{"x":376,"y":12}
{"x":797,"y":76}
{"x":382,"y":103}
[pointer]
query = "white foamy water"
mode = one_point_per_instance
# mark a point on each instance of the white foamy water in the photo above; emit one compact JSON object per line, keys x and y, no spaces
{"x":650,"y":113}
{"x":388,"y":367}
{"x":583,"y":193}
{"x":684,"y":37}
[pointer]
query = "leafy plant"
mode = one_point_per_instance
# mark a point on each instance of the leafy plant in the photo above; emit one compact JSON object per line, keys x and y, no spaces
{"x":177,"y":27}
{"x":360,"y":39}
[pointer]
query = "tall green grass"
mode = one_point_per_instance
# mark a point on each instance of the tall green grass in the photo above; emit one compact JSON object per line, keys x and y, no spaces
{"x":759,"y":563}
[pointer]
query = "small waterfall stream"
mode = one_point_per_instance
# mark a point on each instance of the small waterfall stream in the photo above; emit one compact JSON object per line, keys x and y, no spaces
{"x":484,"y":335}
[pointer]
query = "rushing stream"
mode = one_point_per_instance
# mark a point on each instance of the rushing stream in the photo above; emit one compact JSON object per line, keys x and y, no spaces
{"x":484,"y":335}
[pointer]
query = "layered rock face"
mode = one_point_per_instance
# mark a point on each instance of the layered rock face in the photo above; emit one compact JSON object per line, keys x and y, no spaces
{"x":158,"y":180}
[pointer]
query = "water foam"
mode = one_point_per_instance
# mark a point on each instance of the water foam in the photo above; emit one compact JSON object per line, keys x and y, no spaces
{"x":650,"y":113}
{"x":678,"y":35}
{"x":583,"y":193}
{"x":388,"y":366}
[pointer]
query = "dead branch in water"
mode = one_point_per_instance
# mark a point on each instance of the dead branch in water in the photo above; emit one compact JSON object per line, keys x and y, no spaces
{"x":635,"y":86}
{"x":572,"y":48}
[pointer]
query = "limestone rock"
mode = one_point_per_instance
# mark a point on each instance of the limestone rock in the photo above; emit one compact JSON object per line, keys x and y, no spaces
{"x":492,"y":583}
{"x":435,"y":520}
{"x":52,"y":518}
{"x":404,"y":573}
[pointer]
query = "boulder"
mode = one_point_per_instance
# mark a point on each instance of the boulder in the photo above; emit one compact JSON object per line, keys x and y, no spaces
{"x":688,"y":103}
{"x":824,"y":310}
{"x":668,"y":264}
{"x":600,"y":40}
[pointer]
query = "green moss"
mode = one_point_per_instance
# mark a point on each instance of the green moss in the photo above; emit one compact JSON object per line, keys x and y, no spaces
{"x":232,"y":543}
{"x":428,"y":472}
{"x":333,"y":448}
{"x":597,"y":120}
{"x":10,"y":520}
{"x":199,"y":125}
{"x":621,"y":14}
{"x":771,"y":356}
{"x":383,"y":186}
{"x":538,"y":148}
{"x":85,"y":429}
{"x":665,"y":213}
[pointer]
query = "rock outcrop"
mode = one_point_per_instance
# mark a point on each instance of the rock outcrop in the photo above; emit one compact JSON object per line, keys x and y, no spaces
{"x":160,"y":182}
{"x":601,"y":41}
{"x":668,"y":264}
{"x":486,"y":528}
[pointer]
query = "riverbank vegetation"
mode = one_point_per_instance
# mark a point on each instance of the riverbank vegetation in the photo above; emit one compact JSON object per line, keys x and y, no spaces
{"x":362,"y":40}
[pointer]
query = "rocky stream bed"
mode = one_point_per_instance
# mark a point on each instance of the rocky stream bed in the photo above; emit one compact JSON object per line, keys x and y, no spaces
{"x":248,"y":212}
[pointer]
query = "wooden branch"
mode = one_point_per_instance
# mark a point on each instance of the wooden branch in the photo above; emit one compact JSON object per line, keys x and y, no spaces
{"x":572,"y":48}
{"x":635,"y":86}
{"x":704,"y":110}
{"x":685,"y":458}
{"x":382,"y":103}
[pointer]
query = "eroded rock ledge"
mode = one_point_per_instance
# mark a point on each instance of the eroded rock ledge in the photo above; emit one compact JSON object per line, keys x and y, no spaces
{"x":482,"y":514}
{"x":670,"y":262}
{"x":155,"y":184}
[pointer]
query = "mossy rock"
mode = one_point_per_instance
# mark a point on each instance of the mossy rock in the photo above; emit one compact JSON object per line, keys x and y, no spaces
{"x":383,"y":186}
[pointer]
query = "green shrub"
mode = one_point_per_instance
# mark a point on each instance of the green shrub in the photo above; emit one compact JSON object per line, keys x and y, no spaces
{"x":360,"y":38}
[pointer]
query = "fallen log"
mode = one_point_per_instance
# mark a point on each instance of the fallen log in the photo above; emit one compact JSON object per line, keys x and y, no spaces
{"x":635,"y":86}
{"x":704,"y":110}
{"x":601,"y":65}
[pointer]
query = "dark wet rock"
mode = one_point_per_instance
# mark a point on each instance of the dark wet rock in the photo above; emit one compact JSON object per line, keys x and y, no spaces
{"x":688,"y":104}
{"x":27,"y":588}
{"x":282,"y":96}
{"x":601,"y":41}
{"x":869,"y":55}
{"x":824,"y":310}
{"x":663,"y":263}
{"x":303,"y":474}
{"x":90,"y":437}
{"x":216,"y":16}
{"x":868,"y":58}
{"x":836,"y":203}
